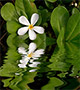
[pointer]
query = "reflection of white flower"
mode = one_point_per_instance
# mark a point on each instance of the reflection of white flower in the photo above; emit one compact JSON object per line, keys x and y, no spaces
{"x":30,"y":55}
{"x":32,"y":35}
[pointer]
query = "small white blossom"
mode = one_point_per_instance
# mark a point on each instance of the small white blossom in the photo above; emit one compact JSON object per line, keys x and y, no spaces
{"x":30,"y":26}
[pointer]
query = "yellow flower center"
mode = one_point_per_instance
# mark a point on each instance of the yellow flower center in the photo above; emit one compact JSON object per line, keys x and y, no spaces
{"x":31,"y":26}
{"x":30,"y":55}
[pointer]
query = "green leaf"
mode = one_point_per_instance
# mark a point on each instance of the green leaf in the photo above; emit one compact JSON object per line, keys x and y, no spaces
{"x":10,"y":41}
{"x":73,"y":27}
{"x":52,"y":84}
{"x":8,"y":12}
{"x":75,"y":11}
{"x":49,"y":4}
{"x":24,"y":7}
{"x":52,"y":0}
{"x":43,"y":12}
{"x":13,"y":26}
{"x":59,"y":18}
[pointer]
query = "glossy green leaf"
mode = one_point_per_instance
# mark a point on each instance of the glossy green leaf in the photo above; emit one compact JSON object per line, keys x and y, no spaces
{"x":54,"y":82}
{"x":73,"y":27}
{"x":24,"y":7}
{"x":8,"y":12}
{"x":13,"y":26}
{"x":59,"y":18}
{"x":10,"y":41}
{"x":75,"y":11}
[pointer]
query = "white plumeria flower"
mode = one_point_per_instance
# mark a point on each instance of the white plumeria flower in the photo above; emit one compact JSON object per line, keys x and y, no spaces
{"x":30,"y":26}
{"x":30,"y":55}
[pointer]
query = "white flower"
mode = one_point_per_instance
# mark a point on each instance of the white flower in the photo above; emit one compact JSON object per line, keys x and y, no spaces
{"x":30,"y":55}
{"x":30,"y":26}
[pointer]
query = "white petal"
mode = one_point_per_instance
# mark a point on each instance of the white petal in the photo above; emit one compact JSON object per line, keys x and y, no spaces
{"x":23,"y":20}
{"x":34,"y":64}
{"x":22,"y":65}
{"x":32,"y":47}
{"x":22,"y":50}
{"x":32,"y":35}
{"x":34,"y":18}
{"x":22,"y":30}
{"x":38,"y":53}
{"x":38,"y":29}
{"x":33,"y":70}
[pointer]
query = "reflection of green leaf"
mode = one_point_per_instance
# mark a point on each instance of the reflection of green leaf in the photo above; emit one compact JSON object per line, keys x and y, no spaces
{"x":13,"y":26}
{"x":6,"y":82}
{"x":59,"y":19}
{"x":28,"y":77}
{"x":8,"y":11}
{"x":54,"y":82}
{"x":8,"y":70}
{"x":73,"y":54}
{"x":12,"y":56}
{"x":73,"y":27}
{"x":58,"y":60}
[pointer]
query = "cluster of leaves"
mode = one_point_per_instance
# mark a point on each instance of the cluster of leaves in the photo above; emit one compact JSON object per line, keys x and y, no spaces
{"x":66,"y":56}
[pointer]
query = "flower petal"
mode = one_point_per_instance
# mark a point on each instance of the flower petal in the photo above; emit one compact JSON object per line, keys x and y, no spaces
{"x":32,"y":35}
{"x":33,"y":70}
{"x":23,"y":20}
{"x":22,"y":65}
{"x":34,"y":18}
{"x":38,"y":53}
{"x":22,"y":30}
{"x":22,"y":50}
{"x":32,"y":47}
{"x":38,"y":29}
